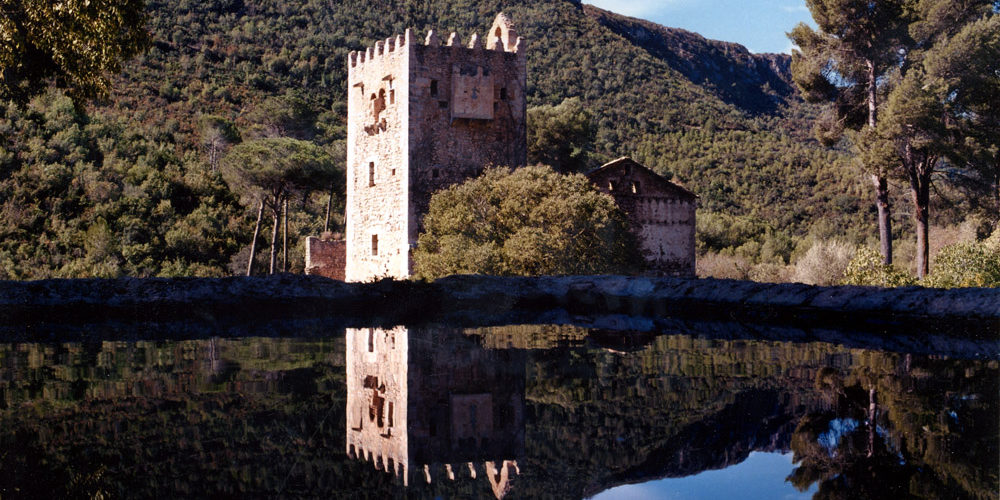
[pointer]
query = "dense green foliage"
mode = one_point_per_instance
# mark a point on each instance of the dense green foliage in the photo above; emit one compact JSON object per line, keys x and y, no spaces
{"x":561,"y":136}
{"x":913,"y":83}
{"x":867,"y":268}
{"x":223,"y":71}
{"x":75,"y":43}
{"x":532,"y":221}
{"x":968,"y":264}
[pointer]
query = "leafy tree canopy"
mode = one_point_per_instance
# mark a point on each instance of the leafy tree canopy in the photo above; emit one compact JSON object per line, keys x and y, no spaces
{"x":75,"y":43}
{"x":532,"y":221}
{"x":271,"y":170}
{"x":561,"y":136}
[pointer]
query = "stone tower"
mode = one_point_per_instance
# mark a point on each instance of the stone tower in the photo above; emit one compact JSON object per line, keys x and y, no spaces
{"x":421,"y":116}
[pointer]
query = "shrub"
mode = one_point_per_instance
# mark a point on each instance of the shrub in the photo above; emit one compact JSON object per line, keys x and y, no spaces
{"x":967,"y":264}
{"x":867,"y":268}
{"x":532,"y":221}
{"x":824,"y":264}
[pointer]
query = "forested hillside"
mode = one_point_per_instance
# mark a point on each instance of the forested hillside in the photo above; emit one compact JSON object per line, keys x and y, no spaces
{"x":131,"y":186}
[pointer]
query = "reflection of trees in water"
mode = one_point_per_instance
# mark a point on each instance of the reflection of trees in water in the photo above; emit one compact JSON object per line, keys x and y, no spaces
{"x":158,"y":419}
{"x":895,"y":427}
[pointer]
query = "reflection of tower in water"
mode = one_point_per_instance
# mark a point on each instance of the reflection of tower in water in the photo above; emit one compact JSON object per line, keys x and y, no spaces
{"x":432,"y":403}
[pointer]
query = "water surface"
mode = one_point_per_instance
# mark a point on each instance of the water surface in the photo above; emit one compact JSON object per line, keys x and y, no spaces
{"x":519,"y":412}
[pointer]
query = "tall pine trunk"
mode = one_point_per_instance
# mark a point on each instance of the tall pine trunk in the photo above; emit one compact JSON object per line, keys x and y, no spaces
{"x":884,"y":216}
{"x":329,"y":207}
{"x":274,"y":239}
{"x":918,"y":168}
{"x":878,"y":177}
{"x":284,"y":237}
{"x":256,"y":232}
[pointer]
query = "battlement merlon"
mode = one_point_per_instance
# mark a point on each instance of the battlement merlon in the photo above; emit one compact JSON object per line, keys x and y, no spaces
{"x":502,"y":37}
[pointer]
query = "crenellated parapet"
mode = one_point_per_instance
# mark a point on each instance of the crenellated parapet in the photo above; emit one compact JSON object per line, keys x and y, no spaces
{"x":502,"y":37}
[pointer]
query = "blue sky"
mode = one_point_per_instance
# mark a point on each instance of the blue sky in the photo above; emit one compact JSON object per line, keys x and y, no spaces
{"x":761,"y":476}
{"x":760,"y":25}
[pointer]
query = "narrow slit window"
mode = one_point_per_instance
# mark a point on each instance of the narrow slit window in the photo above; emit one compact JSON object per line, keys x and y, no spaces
{"x":374,"y":244}
{"x":371,"y":173}
{"x":392,"y":97}
{"x":435,"y":173}
{"x":434,"y":88}
{"x":635,"y":187}
{"x":503,"y":93}
{"x":371,"y":340}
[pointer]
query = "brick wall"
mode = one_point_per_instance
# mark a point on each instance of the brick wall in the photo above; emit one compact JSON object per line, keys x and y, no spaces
{"x":326,"y":258}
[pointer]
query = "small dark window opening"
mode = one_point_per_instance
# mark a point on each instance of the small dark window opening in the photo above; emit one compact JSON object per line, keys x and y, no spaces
{"x":374,"y":244}
{"x":392,"y":172}
{"x":371,"y":341}
{"x":392,"y":97}
{"x":390,"y":413}
{"x":435,"y":173}
{"x":503,"y":93}
{"x":434,"y":88}
{"x":371,"y":173}
{"x":442,"y":104}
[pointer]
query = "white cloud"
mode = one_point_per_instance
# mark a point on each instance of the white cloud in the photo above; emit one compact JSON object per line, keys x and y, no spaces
{"x":795,"y":8}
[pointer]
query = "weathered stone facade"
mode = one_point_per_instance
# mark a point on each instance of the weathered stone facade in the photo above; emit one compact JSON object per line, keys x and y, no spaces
{"x":422,"y":116}
{"x":327,"y":258}
{"x":431,"y":403}
{"x":660,"y":213}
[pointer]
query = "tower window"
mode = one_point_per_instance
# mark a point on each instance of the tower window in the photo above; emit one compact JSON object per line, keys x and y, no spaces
{"x":635,"y":187}
{"x":374,"y":244}
{"x":503,"y":93}
{"x":371,"y":340}
{"x":434,"y":88}
{"x":392,"y":97}
{"x":371,"y":173}
{"x":435,"y":173}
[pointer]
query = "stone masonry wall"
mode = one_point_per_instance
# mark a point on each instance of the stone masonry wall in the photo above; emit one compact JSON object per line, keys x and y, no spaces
{"x":326,"y":258}
{"x":421,"y":117}
{"x":452,"y":81}
{"x":377,"y":176}
{"x":661,"y":216}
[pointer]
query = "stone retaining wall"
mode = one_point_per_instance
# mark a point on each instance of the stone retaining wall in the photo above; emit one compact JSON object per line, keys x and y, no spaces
{"x":27,"y":307}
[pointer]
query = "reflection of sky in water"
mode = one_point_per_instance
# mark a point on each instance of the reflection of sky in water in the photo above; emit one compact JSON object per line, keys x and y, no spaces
{"x":761,"y":475}
{"x":839,"y":427}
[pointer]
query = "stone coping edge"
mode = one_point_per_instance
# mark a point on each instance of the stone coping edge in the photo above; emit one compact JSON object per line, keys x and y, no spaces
{"x":496,"y":300}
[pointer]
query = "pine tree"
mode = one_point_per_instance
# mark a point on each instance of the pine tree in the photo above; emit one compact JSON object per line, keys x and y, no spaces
{"x":846,"y":63}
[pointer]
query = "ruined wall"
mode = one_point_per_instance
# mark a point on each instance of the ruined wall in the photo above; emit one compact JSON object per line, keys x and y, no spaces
{"x":377,"y":175}
{"x":423,"y":116}
{"x":326,"y":258}
{"x":661,"y":215}
{"x":666,"y":233}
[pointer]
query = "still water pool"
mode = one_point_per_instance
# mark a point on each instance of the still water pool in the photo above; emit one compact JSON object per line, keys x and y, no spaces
{"x":535,"y":411}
